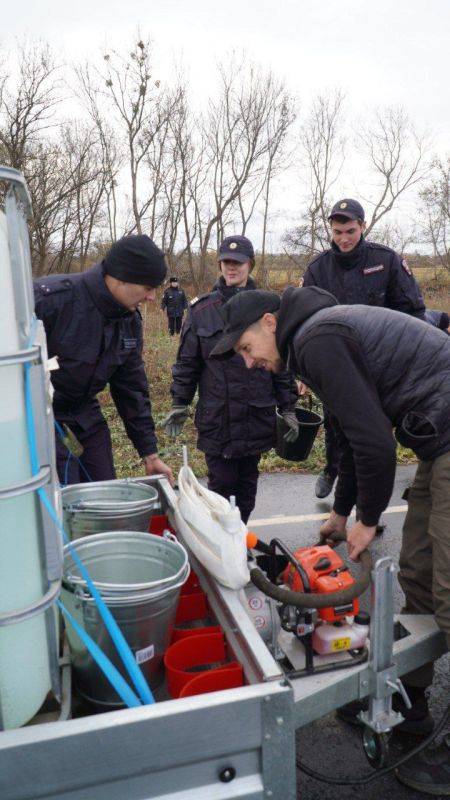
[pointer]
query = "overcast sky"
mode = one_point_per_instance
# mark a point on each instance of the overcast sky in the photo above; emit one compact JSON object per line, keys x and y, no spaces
{"x":382,"y":52}
{"x":390,"y":51}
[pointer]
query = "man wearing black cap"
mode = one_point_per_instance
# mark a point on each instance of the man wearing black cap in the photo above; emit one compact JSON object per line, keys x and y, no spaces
{"x":235,"y":414}
{"x":175,"y":303}
{"x":375,"y":369}
{"x":358,"y":271}
{"x":94,"y":329}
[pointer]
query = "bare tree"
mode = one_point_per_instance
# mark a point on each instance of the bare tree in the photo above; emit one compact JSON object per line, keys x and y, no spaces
{"x":188,"y":153}
{"x":112,"y":153}
{"x":322,"y":147}
{"x":395,"y":153}
{"x":27,"y":103}
{"x":51,"y":198}
{"x":143,"y":110}
{"x":236,"y":149}
{"x":89,"y":181}
{"x":436,"y":198}
{"x":396,"y":236}
{"x":281,"y":117}
{"x":67,"y":186}
{"x":31,"y":142}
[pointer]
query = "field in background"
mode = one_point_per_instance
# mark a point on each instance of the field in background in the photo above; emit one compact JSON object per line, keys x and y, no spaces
{"x":160,"y":354}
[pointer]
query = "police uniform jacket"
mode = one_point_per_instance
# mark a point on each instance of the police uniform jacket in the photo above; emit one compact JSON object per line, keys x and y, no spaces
{"x":371,"y":274}
{"x":235,"y":414}
{"x":97,"y":342}
{"x":174,"y":301}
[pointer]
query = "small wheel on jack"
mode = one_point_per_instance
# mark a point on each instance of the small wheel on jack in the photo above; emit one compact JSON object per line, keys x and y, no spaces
{"x":376,"y":747}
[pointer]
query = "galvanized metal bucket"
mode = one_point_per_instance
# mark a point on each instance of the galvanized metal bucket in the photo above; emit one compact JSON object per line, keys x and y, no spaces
{"x":120,"y":505}
{"x":140,"y":577}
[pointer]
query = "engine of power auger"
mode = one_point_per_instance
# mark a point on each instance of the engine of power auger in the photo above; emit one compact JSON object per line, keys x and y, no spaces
{"x":317,"y":602}
{"x":325,"y":572}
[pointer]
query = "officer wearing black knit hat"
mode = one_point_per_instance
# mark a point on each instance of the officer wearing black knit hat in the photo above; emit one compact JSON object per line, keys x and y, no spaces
{"x":136,"y":259}
{"x":94,"y":329}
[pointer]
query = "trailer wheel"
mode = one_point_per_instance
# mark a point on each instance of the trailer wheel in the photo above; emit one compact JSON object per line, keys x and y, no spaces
{"x":376,"y":747}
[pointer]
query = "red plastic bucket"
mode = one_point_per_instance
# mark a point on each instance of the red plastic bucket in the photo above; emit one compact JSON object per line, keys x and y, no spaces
{"x":214,"y":681}
{"x":195,"y":651}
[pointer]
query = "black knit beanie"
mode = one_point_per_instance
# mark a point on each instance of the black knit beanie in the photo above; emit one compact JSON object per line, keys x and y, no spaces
{"x":136,"y":259}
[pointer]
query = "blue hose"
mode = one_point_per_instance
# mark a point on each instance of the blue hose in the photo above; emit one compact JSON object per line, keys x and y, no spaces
{"x":113,"y":675}
{"x":80,"y":463}
{"x":116,"y":634}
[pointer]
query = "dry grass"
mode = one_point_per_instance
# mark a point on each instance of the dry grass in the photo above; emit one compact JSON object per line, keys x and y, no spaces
{"x":159,"y":354}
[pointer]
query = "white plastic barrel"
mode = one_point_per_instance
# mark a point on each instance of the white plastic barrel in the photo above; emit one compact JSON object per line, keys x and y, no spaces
{"x":24,"y":662}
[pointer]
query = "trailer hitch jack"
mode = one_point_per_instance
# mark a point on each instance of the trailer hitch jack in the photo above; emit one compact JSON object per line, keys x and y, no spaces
{"x":382,"y":680}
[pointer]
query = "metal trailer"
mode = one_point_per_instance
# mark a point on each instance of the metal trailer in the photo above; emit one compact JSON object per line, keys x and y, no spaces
{"x":237,"y":743}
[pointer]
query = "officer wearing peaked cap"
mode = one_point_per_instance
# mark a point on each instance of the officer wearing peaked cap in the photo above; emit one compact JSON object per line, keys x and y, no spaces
{"x":94,"y":328}
{"x":357,"y":271}
{"x":235,"y":414}
{"x":174,"y":302}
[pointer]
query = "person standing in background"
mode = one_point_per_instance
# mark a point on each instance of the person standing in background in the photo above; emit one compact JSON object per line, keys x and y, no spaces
{"x":174,"y":302}
{"x":235,"y":415}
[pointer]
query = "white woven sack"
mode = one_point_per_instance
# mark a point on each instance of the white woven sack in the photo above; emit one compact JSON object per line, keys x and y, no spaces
{"x":216,"y":534}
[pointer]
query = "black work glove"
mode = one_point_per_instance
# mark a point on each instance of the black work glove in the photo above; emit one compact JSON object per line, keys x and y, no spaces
{"x":175,"y":420}
{"x":290,"y":418}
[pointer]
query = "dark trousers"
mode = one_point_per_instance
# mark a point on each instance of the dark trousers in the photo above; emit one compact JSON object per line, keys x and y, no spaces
{"x":174,"y":325}
{"x":425,"y":555}
{"x":95,"y":464}
{"x":332,"y":449}
{"x":235,"y":476}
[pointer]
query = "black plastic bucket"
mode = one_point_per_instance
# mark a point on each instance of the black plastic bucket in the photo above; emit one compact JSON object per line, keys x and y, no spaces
{"x":299,"y":450}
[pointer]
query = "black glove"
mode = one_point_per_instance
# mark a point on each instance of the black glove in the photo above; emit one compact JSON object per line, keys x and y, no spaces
{"x":290,"y":418}
{"x":175,"y":420}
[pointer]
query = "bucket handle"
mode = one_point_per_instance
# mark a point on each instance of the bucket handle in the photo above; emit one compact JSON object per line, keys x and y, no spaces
{"x":117,"y":505}
{"x":85,"y":597}
{"x":169,"y":535}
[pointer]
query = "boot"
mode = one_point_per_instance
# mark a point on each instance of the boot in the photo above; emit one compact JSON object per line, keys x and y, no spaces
{"x":324,"y":484}
{"x":429,"y":771}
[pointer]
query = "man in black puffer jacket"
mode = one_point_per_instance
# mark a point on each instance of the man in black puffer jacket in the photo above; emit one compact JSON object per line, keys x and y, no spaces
{"x":235,"y":414}
{"x":375,"y":369}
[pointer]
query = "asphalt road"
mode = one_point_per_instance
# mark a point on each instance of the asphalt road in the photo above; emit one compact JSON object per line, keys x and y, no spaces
{"x":328,"y":745}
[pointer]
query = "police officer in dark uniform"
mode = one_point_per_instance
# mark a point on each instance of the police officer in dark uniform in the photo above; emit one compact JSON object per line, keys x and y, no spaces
{"x":357,"y":271}
{"x":94,"y":328}
{"x":235,"y":414}
{"x":175,"y":303}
